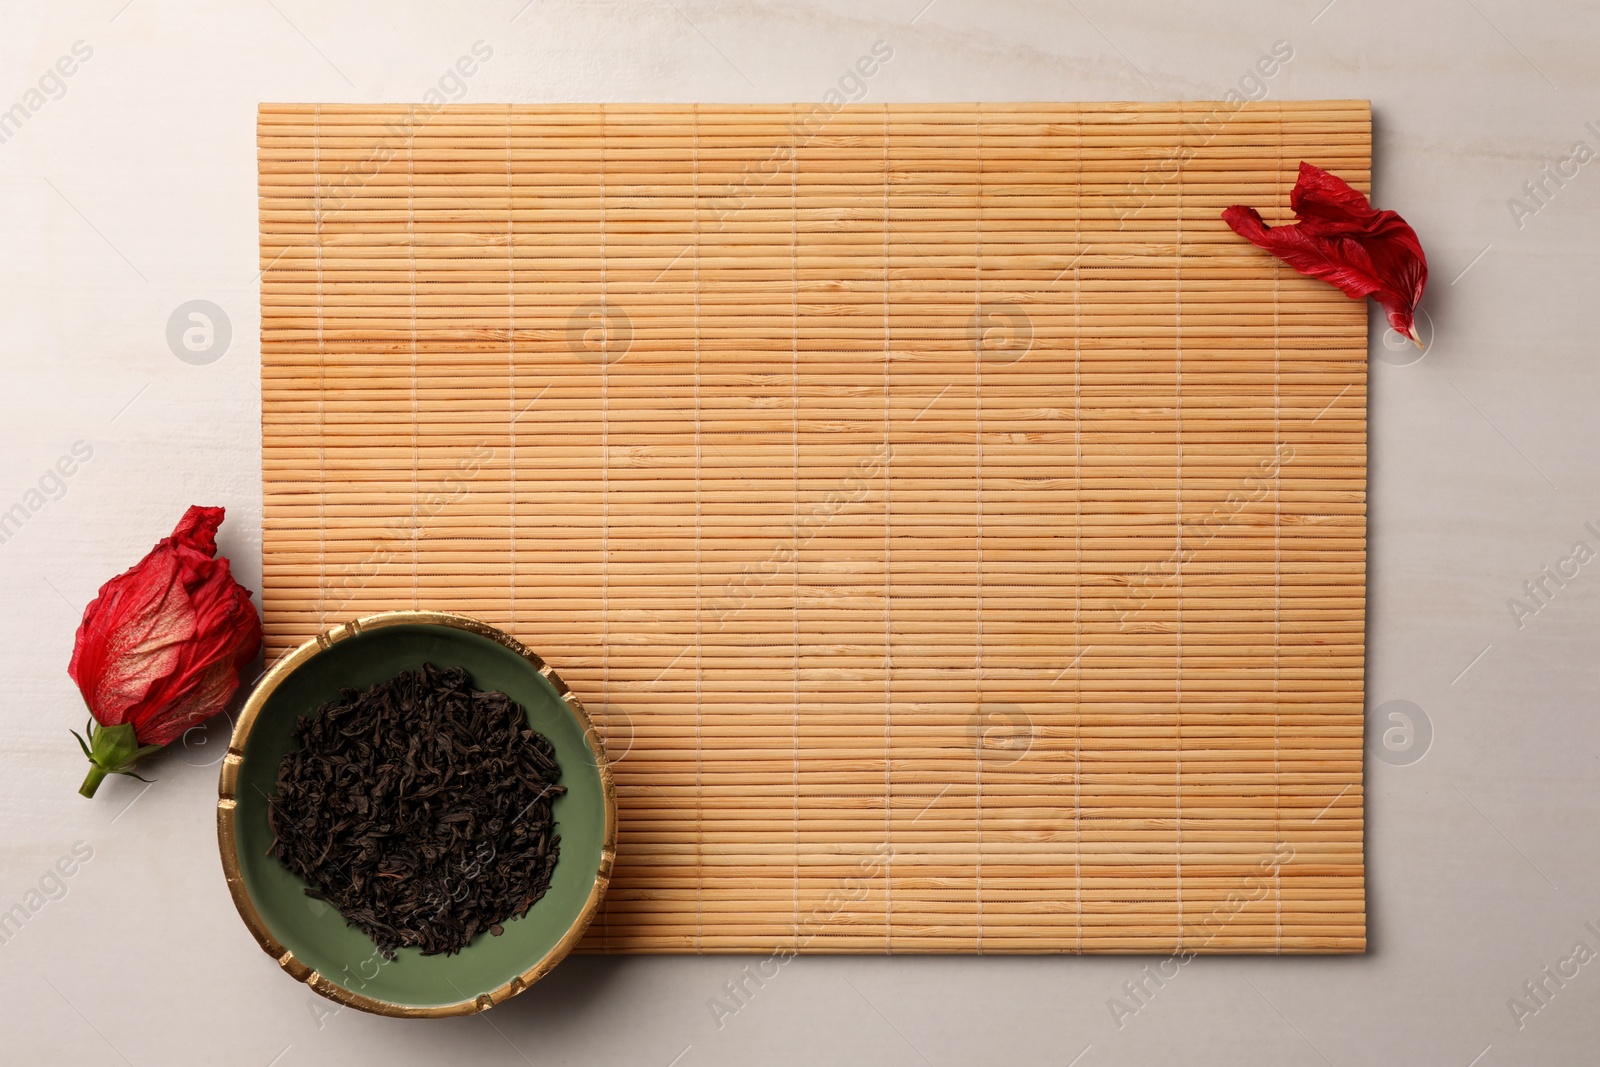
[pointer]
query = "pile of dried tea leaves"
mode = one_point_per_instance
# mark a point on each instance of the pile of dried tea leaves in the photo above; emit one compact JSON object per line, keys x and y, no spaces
{"x":420,"y":809}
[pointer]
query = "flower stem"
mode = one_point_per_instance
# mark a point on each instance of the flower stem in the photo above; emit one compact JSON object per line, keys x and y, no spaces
{"x":92,"y":781}
{"x":111,"y":750}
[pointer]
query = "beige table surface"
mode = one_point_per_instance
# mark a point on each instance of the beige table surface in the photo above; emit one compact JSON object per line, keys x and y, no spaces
{"x":130,"y":191}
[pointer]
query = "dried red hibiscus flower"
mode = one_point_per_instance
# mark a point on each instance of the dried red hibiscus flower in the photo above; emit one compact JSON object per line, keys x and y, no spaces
{"x":1341,"y":238}
{"x":160,"y":649}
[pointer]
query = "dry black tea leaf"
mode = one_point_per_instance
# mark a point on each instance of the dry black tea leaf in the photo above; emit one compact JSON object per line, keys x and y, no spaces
{"x":420,"y":809}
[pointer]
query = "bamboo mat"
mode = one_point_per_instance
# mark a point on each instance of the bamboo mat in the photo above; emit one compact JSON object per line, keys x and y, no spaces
{"x":958,"y":533}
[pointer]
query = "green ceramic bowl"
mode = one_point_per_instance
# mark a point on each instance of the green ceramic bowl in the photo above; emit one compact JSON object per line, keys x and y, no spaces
{"x":309,"y":939}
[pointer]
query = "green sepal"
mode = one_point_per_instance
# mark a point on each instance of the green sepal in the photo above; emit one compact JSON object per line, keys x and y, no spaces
{"x":111,"y":750}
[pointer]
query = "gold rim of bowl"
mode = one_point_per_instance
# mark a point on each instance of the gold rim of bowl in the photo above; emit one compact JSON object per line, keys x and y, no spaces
{"x":228,"y":785}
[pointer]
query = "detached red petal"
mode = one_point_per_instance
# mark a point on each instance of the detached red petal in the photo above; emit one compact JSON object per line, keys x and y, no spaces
{"x":1341,"y":238}
{"x":161,"y":647}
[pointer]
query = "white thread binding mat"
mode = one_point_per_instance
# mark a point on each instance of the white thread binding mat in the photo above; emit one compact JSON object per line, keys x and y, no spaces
{"x":957,"y":532}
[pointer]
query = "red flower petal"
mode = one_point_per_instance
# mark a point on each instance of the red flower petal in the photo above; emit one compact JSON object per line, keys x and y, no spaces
{"x":130,"y":636}
{"x":1342,"y":239}
{"x":161,"y":646}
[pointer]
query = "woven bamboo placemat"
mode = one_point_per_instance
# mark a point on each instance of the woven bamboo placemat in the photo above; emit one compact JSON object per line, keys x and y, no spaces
{"x":957,"y":532}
